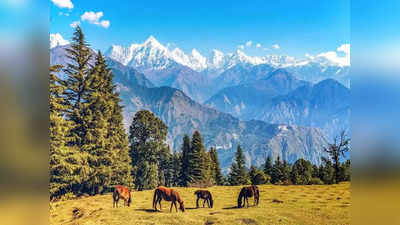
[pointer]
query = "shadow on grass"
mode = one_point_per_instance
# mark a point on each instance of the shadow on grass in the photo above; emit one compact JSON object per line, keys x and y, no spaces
{"x":233,"y":207}
{"x":164,"y":210}
{"x":147,"y":210}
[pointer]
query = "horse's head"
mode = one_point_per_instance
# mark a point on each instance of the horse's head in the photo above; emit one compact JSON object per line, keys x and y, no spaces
{"x":182,"y":206}
{"x":240,"y":199}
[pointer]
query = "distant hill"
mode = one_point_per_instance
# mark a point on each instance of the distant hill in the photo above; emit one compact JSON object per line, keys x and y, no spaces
{"x":281,"y":98}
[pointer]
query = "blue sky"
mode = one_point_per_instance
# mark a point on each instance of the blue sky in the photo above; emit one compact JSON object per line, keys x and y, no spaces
{"x":298,"y":27}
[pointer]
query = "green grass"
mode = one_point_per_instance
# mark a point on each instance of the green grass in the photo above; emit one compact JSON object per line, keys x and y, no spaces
{"x":314,"y":204}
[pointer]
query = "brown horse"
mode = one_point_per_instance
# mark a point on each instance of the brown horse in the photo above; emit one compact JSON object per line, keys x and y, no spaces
{"x":206,"y":195}
{"x":248,"y":192}
{"x":168,"y":194}
{"x":121,"y":192}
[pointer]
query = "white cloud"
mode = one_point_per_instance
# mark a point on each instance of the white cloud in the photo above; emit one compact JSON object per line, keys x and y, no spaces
{"x":258,"y":45}
{"x":63,"y":3}
{"x":57,"y":40}
{"x":335,"y":58}
{"x":240,"y":46}
{"x":308,"y":56}
{"x":249,"y":43}
{"x":265,"y":49}
{"x":94,"y":18}
{"x":276,"y":46}
{"x":74,"y":24}
{"x":344,"y":48}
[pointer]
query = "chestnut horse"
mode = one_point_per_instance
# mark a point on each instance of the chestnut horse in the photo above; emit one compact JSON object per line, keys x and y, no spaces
{"x":248,"y":192}
{"x":121,"y":192}
{"x":168,"y":194}
{"x":206,"y":195}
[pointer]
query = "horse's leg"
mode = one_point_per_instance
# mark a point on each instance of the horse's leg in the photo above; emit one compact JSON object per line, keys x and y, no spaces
{"x":176,"y":209}
{"x":170,"y":209}
{"x":247,"y":200}
{"x":204,"y":202}
{"x":209,"y":202}
{"x":197,"y":202}
{"x":159,"y":202}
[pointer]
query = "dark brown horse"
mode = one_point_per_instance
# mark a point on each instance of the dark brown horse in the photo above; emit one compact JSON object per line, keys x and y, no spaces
{"x":248,"y":192}
{"x":121,"y":192}
{"x":168,"y":194}
{"x":206,"y":195}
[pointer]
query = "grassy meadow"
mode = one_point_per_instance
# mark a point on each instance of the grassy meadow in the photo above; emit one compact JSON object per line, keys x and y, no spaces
{"x":311,"y":204}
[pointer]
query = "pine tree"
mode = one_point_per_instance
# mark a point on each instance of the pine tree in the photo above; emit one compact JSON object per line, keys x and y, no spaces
{"x":209,"y":173}
{"x":117,"y":139}
{"x":198,"y":167}
{"x":257,"y":176}
{"x":75,"y":87}
{"x":238,"y":174}
{"x":185,"y":173}
{"x":164,"y":158}
{"x":277,"y":175}
{"x":97,"y":108}
{"x":147,"y":137}
{"x":76,"y":84}
{"x":285,"y":172}
{"x":64,"y":164}
{"x":176,"y":165}
{"x":219,"y":179}
{"x":268,"y":166}
{"x":301,"y":172}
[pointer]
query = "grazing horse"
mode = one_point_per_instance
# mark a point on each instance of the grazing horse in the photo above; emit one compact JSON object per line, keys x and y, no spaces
{"x":168,"y":194}
{"x":206,"y":195}
{"x":121,"y":192}
{"x":248,"y":192}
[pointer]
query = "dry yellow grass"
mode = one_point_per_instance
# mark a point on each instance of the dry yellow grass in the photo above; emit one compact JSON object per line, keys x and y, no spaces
{"x":325,"y":204}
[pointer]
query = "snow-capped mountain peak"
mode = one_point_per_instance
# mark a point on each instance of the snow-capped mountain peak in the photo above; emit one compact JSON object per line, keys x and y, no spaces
{"x":151,"y":54}
{"x":152,"y":42}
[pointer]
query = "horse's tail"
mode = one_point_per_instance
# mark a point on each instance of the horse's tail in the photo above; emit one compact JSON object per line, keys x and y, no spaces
{"x":154,"y":198}
{"x":240,"y":199}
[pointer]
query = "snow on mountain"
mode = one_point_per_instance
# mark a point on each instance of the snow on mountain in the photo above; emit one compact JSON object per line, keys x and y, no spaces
{"x":216,"y":60}
{"x":155,"y":56}
{"x":57,"y":40}
{"x":152,"y":55}
{"x":197,"y":61}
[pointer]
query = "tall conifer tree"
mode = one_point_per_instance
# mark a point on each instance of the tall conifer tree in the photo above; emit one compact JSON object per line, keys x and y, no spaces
{"x":185,"y":174}
{"x":219,"y":179}
{"x":198,"y":167}
{"x":147,"y":137}
{"x":238,"y":174}
{"x":64,"y":162}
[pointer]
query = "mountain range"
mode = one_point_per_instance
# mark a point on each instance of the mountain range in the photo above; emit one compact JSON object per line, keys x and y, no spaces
{"x":280,"y":97}
{"x":183,"y":115}
{"x":201,"y":77}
